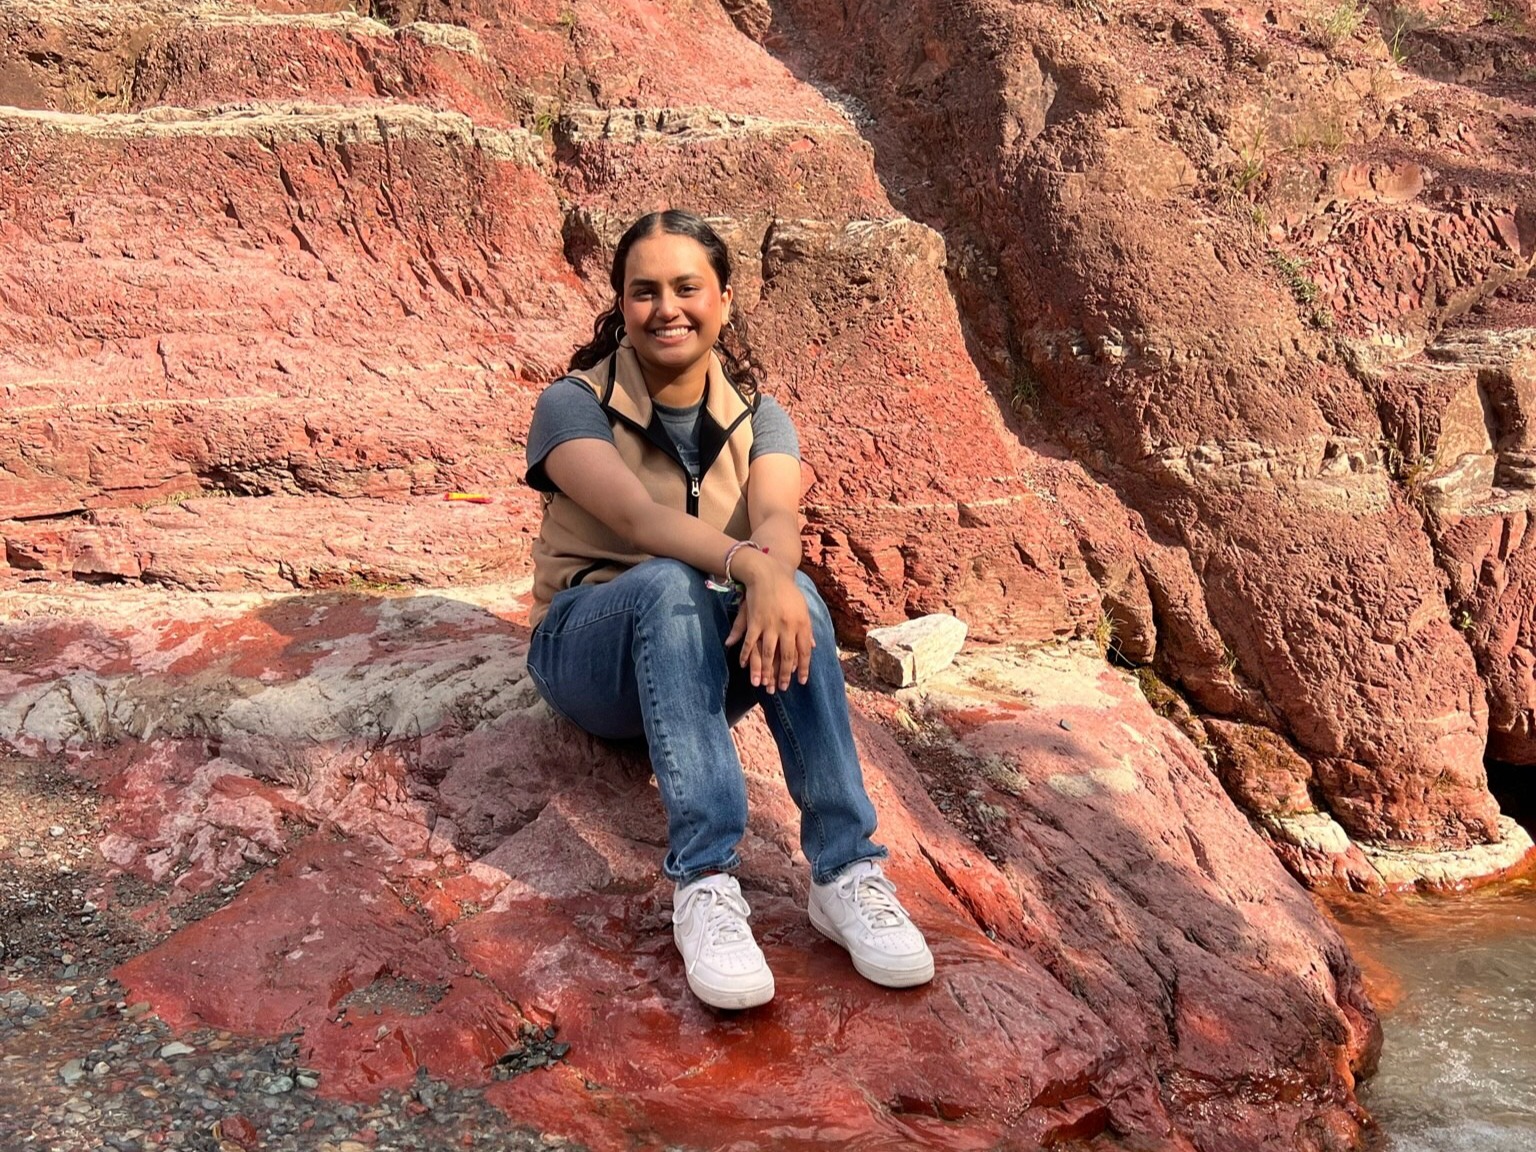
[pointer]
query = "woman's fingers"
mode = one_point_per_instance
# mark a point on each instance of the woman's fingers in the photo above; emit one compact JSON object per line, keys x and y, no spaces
{"x":795,"y":659}
{"x":762,"y":661}
{"x":773,"y":656}
{"x":750,"y":633}
{"x":738,"y":627}
{"x":774,"y":630}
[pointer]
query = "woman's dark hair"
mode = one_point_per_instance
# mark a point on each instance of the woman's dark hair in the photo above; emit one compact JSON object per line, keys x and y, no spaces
{"x":609,"y":326}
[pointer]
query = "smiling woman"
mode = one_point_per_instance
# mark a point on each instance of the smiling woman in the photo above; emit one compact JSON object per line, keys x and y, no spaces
{"x":669,"y":602}
{"x":674,"y":309}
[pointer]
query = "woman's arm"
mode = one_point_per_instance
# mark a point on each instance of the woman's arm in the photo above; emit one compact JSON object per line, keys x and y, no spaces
{"x":592,"y":473}
{"x":773,"y":624}
{"x":773,"y":506}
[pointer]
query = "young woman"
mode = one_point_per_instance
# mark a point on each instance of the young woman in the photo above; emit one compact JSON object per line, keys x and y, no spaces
{"x":669,"y":601}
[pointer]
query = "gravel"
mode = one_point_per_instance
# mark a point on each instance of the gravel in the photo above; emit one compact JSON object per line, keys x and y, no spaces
{"x":84,"y":1070}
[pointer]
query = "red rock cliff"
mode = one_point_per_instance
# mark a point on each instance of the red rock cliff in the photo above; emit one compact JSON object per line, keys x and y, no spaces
{"x":1206,"y":331}
{"x":277,"y":275}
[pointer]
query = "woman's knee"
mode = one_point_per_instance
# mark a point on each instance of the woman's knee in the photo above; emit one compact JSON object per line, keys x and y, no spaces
{"x":821,"y":618}
{"x":675,"y":607}
{"x":669,"y":582}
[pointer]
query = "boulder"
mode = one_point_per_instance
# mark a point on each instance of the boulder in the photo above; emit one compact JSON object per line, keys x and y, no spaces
{"x":1217,"y":367}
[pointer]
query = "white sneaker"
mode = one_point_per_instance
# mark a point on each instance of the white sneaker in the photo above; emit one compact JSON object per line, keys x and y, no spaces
{"x":724,"y":965}
{"x":859,"y":910}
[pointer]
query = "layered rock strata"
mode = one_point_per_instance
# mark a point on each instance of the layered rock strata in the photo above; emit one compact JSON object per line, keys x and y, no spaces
{"x":1198,"y":260}
{"x":1206,"y":284}
{"x":1183,"y":349}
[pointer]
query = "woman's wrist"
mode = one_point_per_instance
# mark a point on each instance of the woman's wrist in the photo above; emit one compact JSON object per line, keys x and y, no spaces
{"x":750,"y":565}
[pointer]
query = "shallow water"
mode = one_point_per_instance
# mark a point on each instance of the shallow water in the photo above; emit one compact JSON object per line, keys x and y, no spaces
{"x":1455,"y":981}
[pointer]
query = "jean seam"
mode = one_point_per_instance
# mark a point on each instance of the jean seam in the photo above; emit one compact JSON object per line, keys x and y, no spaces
{"x":663,"y":745}
{"x":807,"y":808}
{"x":545,"y":692}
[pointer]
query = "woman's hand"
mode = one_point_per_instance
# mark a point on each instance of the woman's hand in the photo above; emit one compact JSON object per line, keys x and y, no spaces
{"x":773,"y":623}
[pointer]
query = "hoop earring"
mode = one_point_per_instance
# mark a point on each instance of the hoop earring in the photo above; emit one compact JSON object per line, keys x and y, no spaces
{"x":622,"y":337}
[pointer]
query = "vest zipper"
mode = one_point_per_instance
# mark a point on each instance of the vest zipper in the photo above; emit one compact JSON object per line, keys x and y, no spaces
{"x":693,"y":495}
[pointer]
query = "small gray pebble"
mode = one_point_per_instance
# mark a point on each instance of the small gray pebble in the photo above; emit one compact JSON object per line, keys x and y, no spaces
{"x":72,"y":1072}
{"x":277,"y":1085}
{"x":1065,"y":724}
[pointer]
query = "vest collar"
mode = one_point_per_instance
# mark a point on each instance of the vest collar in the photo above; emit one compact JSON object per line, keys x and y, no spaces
{"x":621,"y":387}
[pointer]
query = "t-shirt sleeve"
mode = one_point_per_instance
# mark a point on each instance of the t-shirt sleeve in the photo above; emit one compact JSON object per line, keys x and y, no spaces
{"x":772,"y":430}
{"x":566,"y":410}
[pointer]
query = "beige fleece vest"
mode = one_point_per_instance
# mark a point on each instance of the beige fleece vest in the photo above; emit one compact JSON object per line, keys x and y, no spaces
{"x":574,"y":547}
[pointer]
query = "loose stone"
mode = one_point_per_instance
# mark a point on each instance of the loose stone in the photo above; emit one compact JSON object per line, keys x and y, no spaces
{"x":905,"y":653}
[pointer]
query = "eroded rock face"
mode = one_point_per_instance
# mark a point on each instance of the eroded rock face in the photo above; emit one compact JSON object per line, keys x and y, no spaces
{"x":1151,"y":356}
{"x":400,"y":223}
{"x":441,"y":862}
{"x":1200,"y":253}
{"x":362,"y":294}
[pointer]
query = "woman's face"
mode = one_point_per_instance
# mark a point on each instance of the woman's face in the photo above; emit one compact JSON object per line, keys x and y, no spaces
{"x":673,"y":304}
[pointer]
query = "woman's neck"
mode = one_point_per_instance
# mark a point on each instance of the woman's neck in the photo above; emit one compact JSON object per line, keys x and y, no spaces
{"x":683,"y":390}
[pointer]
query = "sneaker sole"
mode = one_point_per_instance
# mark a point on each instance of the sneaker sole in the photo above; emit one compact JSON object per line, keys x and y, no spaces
{"x":731,"y":998}
{"x":874,"y":973}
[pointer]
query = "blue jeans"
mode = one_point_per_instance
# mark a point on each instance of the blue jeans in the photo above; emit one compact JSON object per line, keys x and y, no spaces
{"x":644,"y":655}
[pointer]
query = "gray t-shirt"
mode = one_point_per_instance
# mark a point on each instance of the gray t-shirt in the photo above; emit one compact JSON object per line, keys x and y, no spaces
{"x":569,"y":410}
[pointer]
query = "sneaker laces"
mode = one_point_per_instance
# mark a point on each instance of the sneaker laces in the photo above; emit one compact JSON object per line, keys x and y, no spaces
{"x":725,"y":916}
{"x":875,"y":898}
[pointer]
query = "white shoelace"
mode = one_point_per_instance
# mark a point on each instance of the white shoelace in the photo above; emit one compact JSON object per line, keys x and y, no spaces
{"x":875,"y":898}
{"x":725,"y":918}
